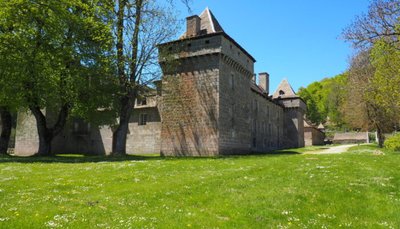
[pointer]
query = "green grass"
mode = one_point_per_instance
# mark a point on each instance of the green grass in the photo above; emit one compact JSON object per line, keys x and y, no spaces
{"x":302,"y":150}
{"x":356,"y":190}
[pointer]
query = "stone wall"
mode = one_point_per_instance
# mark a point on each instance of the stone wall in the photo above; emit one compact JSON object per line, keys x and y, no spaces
{"x":190,"y":108}
{"x":267,"y":124}
{"x":83,"y":138}
{"x":235,"y":74}
{"x":26,"y":137}
{"x":347,"y":138}
{"x":313,"y":136}
{"x":294,"y":128}
{"x":144,"y":139}
{"x":209,"y":107}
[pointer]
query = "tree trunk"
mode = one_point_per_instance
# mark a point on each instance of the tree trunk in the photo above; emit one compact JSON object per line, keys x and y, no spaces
{"x":120,"y":134}
{"x":381,"y":136}
{"x":6,"y":125}
{"x":46,"y":134}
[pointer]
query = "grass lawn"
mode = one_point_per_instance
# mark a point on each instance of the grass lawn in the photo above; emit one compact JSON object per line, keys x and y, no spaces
{"x":356,"y":190}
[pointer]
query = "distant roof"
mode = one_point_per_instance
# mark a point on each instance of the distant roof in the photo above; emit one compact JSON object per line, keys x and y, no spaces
{"x":307,"y":124}
{"x":208,"y":24}
{"x":284,"y":90}
{"x":321,"y":126}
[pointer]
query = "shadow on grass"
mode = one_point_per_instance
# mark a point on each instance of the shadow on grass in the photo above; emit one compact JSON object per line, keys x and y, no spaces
{"x":79,"y":158}
{"x":76,"y":158}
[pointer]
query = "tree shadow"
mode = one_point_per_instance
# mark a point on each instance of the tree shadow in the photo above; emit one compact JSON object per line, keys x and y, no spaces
{"x":276,"y":153}
{"x":80,"y":158}
{"x":76,"y":158}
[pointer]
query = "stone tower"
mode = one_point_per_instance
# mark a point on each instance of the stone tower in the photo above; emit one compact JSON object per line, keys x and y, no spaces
{"x":294,"y":109}
{"x":199,"y":69}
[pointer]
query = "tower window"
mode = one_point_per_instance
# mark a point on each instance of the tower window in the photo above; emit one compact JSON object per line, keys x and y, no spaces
{"x":142,"y":102}
{"x":232,"y":82}
{"x":142,"y":119}
{"x":281,"y":92}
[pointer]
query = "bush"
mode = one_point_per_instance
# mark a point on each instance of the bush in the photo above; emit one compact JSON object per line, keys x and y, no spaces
{"x":393,"y":143}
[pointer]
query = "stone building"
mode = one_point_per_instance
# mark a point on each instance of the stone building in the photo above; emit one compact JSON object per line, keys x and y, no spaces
{"x":207,"y":103}
{"x":313,"y":135}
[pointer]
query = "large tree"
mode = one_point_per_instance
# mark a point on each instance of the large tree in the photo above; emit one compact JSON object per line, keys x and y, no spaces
{"x":62,"y":47}
{"x":374,"y":76}
{"x":140,"y":25}
{"x":6,"y":125}
{"x":367,"y":106}
{"x":380,"y":22}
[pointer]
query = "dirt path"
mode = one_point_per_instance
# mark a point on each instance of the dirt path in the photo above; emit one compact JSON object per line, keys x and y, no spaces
{"x":332,"y":150}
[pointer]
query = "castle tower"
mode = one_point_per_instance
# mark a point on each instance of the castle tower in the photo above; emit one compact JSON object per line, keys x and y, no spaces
{"x":294,"y":109}
{"x":204,"y":73}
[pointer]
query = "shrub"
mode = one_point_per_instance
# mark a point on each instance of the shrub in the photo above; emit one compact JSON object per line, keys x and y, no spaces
{"x":393,"y":142}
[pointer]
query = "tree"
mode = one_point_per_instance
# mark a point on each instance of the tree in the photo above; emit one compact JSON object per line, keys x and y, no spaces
{"x":364,"y":109}
{"x":312,"y":114}
{"x":324,"y":99}
{"x":374,"y":76}
{"x":140,"y":26}
{"x":6,"y":125}
{"x":62,"y":47}
{"x":381,"y":22}
{"x":386,"y":60}
{"x":334,"y":97}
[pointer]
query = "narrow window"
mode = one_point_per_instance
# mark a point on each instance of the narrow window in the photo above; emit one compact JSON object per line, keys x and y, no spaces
{"x":207,"y":41}
{"x":263,"y":126}
{"x":232,"y":111}
{"x":142,"y":119}
{"x":232,"y":82}
{"x":270,"y":129}
{"x":142,"y":102}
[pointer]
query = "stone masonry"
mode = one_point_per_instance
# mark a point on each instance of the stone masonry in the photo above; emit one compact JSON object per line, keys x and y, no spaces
{"x":208,"y":103}
{"x":211,"y":102}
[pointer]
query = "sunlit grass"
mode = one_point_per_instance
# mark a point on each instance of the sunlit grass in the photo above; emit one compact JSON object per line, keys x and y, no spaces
{"x":360,"y":189}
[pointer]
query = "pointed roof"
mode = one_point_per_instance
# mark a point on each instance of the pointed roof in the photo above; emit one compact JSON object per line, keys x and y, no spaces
{"x":284,"y":90}
{"x":321,"y":127}
{"x":208,"y":24}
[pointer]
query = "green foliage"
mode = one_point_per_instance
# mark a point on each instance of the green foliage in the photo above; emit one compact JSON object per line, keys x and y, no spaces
{"x":264,"y":191}
{"x":324,"y":99}
{"x":393,"y":143}
{"x":56,"y":52}
{"x":385,"y":85}
{"x":313,"y":113}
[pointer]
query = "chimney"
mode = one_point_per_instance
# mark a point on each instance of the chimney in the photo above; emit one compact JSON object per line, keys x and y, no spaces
{"x":192,"y":26}
{"x":264,"y":81}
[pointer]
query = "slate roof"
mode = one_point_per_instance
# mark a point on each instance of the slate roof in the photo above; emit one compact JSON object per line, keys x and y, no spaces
{"x":208,"y":24}
{"x":285,"y":90}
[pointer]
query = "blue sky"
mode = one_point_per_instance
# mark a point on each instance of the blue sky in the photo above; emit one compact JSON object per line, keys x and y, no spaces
{"x":294,"y":39}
